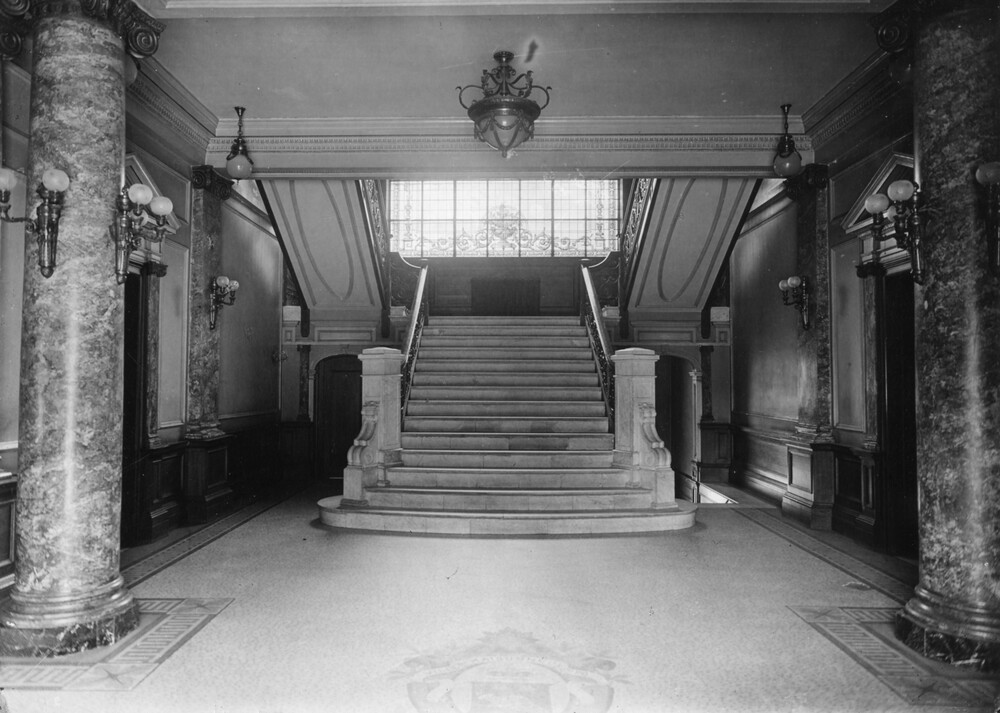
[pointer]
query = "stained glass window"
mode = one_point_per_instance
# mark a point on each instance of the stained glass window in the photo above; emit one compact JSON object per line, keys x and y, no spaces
{"x":504,"y":218}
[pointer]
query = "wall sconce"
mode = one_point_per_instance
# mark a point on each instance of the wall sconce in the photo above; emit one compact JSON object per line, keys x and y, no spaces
{"x":988,"y":175}
{"x":788,"y":161}
{"x":795,"y":292}
{"x":135,"y":209}
{"x":223,"y":294}
{"x":45,"y":226}
{"x":239,"y":165}
{"x":901,"y":204}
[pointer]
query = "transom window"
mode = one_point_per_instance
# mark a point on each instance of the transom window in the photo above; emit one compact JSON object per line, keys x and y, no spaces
{"x":504,"y":218}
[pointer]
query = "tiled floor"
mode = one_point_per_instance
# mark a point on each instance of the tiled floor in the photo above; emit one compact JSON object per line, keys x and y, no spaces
{"x":266,"y":611}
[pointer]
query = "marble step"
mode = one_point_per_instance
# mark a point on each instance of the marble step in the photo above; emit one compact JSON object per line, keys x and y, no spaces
{"x":588,"y":522}
{"x":509,"y":499}
{"x":498,"y":424}
{"x":433,"y":458}
{"x":517,"y":366}
{"x":420,"y":407}
{"x":516,"y":331}
{"x":507,"y":353}
{"x":422,"y":378}
{"x":525,"y":321}
{"x":402,"y":476}
{"x":509,"y":441}
{"x":506,"y":393}
{"x":484,"y":340}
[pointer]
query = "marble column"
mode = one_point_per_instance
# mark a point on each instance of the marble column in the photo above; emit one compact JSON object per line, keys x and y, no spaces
{"x":954,"y":614}
{"x":68,"y":593}
{"x":809,"y":496}
{"x":210,"y":190}
{"x":154,"y":271}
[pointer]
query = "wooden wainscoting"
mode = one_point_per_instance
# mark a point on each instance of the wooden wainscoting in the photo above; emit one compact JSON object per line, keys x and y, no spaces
{"x":161,"y":497}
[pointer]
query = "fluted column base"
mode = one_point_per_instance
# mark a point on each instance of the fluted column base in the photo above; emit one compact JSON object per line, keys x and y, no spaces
{"x":55,"y":624}
{"x":959,"y":633}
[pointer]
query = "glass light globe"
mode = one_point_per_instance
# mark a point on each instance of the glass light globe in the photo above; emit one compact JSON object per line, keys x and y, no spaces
{"x":876,"y":203}
{"x":161,"y":205}
{"x":222,"y":281}
{"x":55,"y":179}
{"x":234,"y":285}
{"x":789,"y":165}
{"x":901,"y":190}
{"x":794,"y":281}
{"x":239,"y":167}
{"x":8,"y":179}
{"x":783,"y":285}
{"x":988,"y":173}
{"x":140,"y":193}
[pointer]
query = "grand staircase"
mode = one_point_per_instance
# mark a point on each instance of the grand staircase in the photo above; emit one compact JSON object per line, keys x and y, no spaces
{"x":506,"y":432}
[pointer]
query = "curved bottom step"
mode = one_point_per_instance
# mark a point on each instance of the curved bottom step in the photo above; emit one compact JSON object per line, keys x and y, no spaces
{"x":445,"y":522}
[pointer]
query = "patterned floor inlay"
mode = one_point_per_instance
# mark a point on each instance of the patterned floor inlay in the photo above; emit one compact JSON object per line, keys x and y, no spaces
{"x":865,"y":573}
{"x":865,"y":634}
{"x":164,"y":625}
{"x":510,"y":671}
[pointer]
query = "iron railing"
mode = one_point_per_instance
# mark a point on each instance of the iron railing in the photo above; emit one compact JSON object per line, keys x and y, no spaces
{"x":418,"y":318}
{"x":591,"y":315}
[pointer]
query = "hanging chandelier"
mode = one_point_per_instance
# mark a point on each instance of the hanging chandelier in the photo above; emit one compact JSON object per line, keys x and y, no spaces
{"x":504,"y":116}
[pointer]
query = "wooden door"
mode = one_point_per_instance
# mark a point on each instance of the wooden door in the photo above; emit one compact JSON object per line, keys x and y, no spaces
{"x":898,"y":510}
{"x":337,"y":409}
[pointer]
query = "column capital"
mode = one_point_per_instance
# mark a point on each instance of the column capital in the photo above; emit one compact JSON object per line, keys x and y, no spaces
{"x":140,"y":32}
{"x":207,"y":178}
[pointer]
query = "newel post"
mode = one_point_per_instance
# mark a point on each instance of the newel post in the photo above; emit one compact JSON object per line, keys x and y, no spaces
{"x":377,"y":446}
{"x":638,"y":448}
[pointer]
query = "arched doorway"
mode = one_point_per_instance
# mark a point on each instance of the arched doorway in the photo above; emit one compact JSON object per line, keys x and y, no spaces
{"x":337,"y":410}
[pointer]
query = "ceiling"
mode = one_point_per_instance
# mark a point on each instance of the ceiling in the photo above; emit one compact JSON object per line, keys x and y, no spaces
{"x":342,"y":88}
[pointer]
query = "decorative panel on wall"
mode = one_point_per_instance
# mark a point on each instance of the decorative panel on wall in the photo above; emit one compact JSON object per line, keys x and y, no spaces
{"x":847,"y":338}
{"x":251,"y":328}
{"x":173,"y":335}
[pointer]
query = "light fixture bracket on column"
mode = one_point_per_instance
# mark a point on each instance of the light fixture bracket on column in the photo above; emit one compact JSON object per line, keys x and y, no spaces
{"x":505,"y":115}
{"x":901,"y":204}
{"x":795,"y":293}
{"x":239,"y":165}
{"x":223,"y":294}
{"x":45,"y":225}
{"x":787,"y":163}
{"x":139,"y":216}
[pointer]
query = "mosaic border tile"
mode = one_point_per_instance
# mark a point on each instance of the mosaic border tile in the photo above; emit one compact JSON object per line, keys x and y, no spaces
{"x":865,"y":634}
{"x":164,"y":626}
{"x":888,"y":585}
{"x":160,"y":560}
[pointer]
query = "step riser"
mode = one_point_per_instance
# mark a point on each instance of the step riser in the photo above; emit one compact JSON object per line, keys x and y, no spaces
{"x":483,"y":393}
{"x":540,"y":342}
{"x":515,"y":332}
{"x":506,"y":459}
{"x":504,"y":379}
{"x":505,"y":354}
{"x":423,"y":364}
{"x":504,"y":425}
{"x":539,"y":478}
{"x":508,"y":442}
{"x":512,"y":502}
{"x":554,"y":409}
{"x":504,"y":321}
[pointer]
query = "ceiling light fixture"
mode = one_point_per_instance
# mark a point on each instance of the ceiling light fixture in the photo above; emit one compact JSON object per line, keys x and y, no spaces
{"x":788,"y":161}
{"x":239,"y":165}
{"x":504,"y":116}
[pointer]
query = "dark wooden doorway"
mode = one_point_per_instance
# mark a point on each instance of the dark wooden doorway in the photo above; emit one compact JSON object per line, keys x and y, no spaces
{"x":898,"y":514}
{"x":133,"y":407}
{"x":337,"y":410}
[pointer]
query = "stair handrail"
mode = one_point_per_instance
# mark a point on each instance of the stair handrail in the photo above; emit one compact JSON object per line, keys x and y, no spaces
{"x":418,"y":318}
{"x":374,"y":202}
{"x":591,"y":315}
{"x":631,"y":241}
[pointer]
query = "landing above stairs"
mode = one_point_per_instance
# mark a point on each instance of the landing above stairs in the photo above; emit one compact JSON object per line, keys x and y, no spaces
{"x":506,"y":432}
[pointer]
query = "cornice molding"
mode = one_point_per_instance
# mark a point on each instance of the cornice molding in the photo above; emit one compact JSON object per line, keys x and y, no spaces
{"x":157,"y":93}
{"x":858,"y":95}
